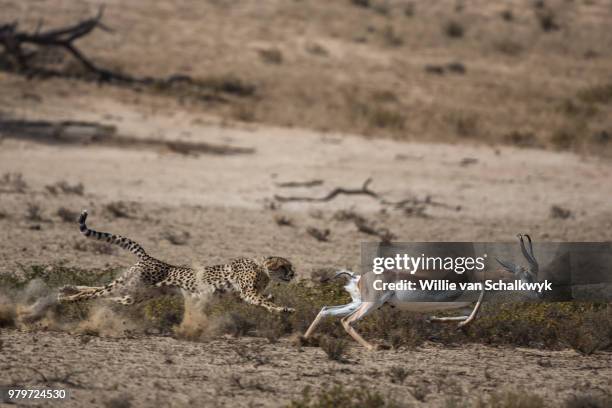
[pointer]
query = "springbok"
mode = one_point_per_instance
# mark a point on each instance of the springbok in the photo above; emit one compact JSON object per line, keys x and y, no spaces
{"x":360,"y":288}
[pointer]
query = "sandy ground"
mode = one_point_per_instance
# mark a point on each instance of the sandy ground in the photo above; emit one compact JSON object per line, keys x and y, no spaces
{"x":250,"y":372}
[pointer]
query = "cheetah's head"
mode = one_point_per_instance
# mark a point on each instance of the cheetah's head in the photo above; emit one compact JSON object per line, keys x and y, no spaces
{"x":279,"y":268}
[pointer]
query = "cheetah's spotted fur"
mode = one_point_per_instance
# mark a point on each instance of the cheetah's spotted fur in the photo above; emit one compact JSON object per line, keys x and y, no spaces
{"x":149,"y":276}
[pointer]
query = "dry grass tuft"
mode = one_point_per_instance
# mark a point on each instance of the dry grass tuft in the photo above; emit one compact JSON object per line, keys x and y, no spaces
{"x":33,"y":212}
{"x":465,"y":124}
{"x":409,"y":10}
{"x":177,"y":238}
{"x":601,"y":93}
{"x":322,"y":275}
{"x":398,"y":374}
{"x":283,"y":221}
{"x":507,"y":15}
{"x":271,"y":56}
{"x":560,"y":212}
{"x":589,"y":401}
{"x":120,"y":401}
{"x":13,"y":182}
{"x":547,"y":19}
{"x":118,"y":209}
{"x":522,"y":139}
{"x":334,"y":348}
{"x":66,"y":188}
{"x":361,"y":3}
{"x":509,"y":46}
{"x":586,"y":327}
{"x":512,"y":399}
{"x":67,"y":215}
{"x":391,"y":36}
{"x":453,"y":29}
{"x":338,"y":396}
{"x":228,"y":84}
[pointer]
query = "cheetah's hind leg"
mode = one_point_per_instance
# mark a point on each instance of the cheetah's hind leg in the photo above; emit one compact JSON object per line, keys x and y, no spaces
{"x":69,"y":290}
{"x":84,"y":293}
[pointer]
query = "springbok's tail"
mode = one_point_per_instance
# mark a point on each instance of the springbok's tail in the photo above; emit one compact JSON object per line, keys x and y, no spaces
{"x":123,"y":242}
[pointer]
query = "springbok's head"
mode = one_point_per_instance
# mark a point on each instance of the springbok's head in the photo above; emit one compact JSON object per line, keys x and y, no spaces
{"x":279,"y":268}
{"x":527,"y":274}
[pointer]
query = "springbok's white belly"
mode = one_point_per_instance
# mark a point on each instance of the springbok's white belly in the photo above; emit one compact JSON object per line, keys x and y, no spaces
{"x":423,"y":307}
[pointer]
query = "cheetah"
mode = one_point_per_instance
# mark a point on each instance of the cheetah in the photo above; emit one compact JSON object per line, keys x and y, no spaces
{"x":150,"y":277}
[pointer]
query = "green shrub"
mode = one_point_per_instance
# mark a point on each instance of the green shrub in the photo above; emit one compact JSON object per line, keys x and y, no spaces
{"x":164,"y":312}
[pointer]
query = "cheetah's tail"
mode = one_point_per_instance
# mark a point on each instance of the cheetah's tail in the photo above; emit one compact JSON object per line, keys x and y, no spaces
{"x":123,"y":242}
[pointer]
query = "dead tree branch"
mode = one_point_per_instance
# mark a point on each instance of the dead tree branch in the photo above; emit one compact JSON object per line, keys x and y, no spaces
{"x":21,"y":47}
{"x":364,"y":190}
{"x":18,"y":45}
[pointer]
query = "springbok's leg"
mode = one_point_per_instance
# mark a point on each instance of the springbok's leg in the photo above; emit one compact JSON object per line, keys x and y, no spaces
{"x":363,"y":310}
{"x":340,"y":311}
{"x":462,"y":319}
{"x":472,"y":315}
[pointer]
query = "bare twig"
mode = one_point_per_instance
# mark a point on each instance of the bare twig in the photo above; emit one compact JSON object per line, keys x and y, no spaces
{"x":309,"y":183}
{"x":416,"y":202}
{"x":319,"y":235}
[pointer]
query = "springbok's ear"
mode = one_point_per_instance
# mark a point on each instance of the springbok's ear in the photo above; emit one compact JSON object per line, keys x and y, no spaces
{"x":509,"y":266}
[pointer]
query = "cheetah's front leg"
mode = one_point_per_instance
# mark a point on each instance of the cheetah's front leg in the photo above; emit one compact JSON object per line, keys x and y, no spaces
{"x":255,"y":298}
